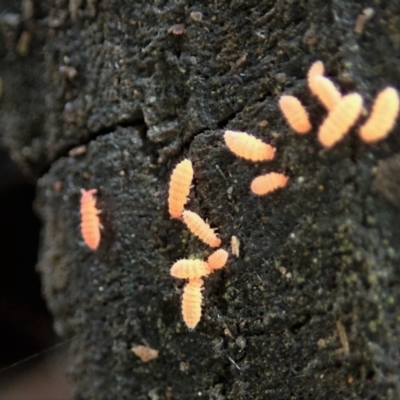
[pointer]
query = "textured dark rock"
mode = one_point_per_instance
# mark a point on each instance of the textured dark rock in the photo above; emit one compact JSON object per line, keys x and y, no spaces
{"x":387,"y":179}
{"x":324,"y":249}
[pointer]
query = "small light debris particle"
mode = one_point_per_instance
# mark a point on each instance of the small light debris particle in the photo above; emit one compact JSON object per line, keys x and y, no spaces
{"x":240,"y":61}
{"x":362,"y":20}
{"x":57,"y":186}
{"x":22,"y":48}
{"x":196,"y":16}
{"x":235,"y":246}
{"x":77,"y":151}
{"x":241,"y":342}
{"x":184,"y":366}
{"x":343,"y":337}
{"x":145,"y":353}
{"x":68,"y":72}
{"x":178,"y":29}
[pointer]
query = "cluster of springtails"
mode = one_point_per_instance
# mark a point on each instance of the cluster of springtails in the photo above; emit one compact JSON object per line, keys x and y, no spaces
{"x":193,"y":270}
{"x":343,"y":112}
{"x":252,"y":149}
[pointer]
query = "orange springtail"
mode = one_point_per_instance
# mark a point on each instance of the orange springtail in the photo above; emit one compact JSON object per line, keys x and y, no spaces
{"x":179,"y":188}
{"x":191,"y":302}
{"x":90,"y":222}
{"x":248,"y":147}
{"x":200,"y":228}
{"x":268,"y":183}
{"x":340,"y":120}
{"x":295,"y":114}
{"x":383,"y":116}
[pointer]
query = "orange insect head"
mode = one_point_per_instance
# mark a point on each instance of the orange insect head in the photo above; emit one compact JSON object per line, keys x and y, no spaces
{"x":87,"y":194}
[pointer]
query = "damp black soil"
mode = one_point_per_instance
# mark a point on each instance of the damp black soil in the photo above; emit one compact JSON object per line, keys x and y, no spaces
{"x":310,"y":307}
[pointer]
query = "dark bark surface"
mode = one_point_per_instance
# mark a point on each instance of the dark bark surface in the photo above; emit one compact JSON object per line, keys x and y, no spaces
{"x":320,"y":254}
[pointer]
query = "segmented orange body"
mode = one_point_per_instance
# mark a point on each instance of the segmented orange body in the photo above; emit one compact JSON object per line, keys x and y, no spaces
{"x":248,"y":147}
{"x":340,"y":120}
{"x":90,"y":222}
{"x":218,"y":259}
{"x":179,"y":188}
{"x":200,"y":228}
{"x":295,"y":114}
{"x":190,"y":269}
{"x":191,"y":302}
{"x":316,"y":69}
{"x":326,"y":91}
{"x":383,"y":116}
{"x":268,"y":183}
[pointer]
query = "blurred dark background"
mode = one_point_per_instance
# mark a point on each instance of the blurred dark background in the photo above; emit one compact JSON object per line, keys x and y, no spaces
{"x":25,"y":324}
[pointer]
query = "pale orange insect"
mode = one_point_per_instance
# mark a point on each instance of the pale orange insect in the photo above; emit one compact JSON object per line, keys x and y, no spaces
{"x":179,"y":187}
{"x":326,"y":91}
{"x":190,"y":269}
{"x":200,"y":228}
{"x":383,"y":116}
{"x":295,"y":114}
{"x":340,"y":120}
{"x":191,"y":302}
{"x":90,"y":222}
{"x":248,"y":147}
{"x":268,"y":183}
{"x":218,"y":259}
{"x":316,"y":69}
